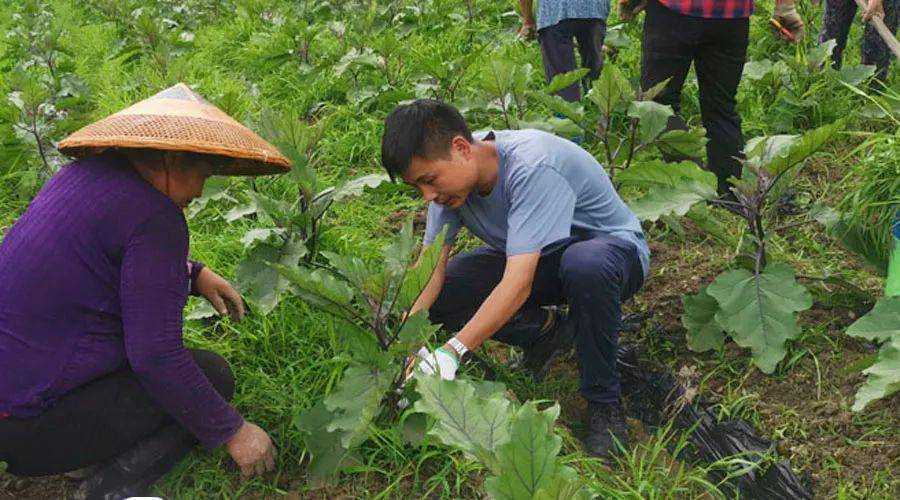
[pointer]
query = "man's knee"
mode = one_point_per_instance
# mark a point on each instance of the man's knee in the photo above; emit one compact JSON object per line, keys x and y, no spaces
{"x":217,"y":371}
{"x":594,"y":266}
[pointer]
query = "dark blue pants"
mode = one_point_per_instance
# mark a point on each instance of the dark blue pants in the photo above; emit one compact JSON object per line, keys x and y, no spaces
{"x":558,"y":51}
{"x":593,"y":275}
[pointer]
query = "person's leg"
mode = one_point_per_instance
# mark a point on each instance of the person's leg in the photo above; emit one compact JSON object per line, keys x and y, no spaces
{"x":590,"y":34}
{"x":133,"y":473}
{"x":100,"y":421}
{"x":836,"y":22}
{"x":719,"y":65}
{"x":598,"y":275}
{"x":558,"y":53}
{"x":874,"y":50}
{"x":668,"y":46}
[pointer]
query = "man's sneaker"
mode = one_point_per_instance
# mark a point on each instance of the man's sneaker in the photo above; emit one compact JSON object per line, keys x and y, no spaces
{"x":556,"y":339}
{"x":606,"y":429}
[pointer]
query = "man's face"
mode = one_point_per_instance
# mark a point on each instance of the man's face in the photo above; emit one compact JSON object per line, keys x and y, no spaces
{"x":447,"y":181}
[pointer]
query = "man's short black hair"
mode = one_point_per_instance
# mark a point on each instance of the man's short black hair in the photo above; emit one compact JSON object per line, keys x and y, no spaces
{"x":422,"y":128}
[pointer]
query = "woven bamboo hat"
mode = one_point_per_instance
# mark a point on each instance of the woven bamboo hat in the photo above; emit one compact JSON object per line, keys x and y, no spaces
{"x":179,"y":119}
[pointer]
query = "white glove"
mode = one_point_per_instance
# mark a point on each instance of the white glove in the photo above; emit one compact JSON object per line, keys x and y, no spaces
{"x":439,"y":360}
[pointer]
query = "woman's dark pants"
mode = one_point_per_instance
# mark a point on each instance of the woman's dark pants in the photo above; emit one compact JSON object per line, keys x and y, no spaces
{"x":836,"y":22}
{"x":103,"y":420}
{"x":593,"y":276}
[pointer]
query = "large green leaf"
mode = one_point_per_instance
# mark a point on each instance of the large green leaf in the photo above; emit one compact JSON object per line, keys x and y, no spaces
{"x":320,"y":289}
{"x":760,"y":311}
{"x":706,"y":219}
{"x":699,"y":320}
{"x":259,"y":283}
{"x":610,"y":89}
{"x":255,"y":236}
{"x":417,"y":277}
{"x":563,"y":80}
{"x":351,"y":268}
{"x":279,"y":211}
{"x":474,"y":424}
{"x":652,"y":118}
{"x":415,"y":331}
{"x":356,"y":401}
{"x":757,"y":70}
{"x":565,"y":486}
{"x":883,"y":377}
{"x":684,"y":143}
{"x":661,"y":173}
{"x":667,"y":200}
{"x":239,"y":211}
{"x":571,"y":110}
{"x":802,"y":148}
{"x":881,"y":323}
{"x":528,"y":462}
{"x":356,"y":187}
{"x":327,"y":453}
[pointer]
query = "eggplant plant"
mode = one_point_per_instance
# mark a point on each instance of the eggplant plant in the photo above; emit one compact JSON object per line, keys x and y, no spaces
{"x":515,"y":443}
{"x":757,"y":306}
{"x":286,"y":233}
{"x":371,"y":305}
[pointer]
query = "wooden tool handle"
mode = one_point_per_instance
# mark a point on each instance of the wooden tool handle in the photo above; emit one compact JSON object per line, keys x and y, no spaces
{"x":882,"y":30}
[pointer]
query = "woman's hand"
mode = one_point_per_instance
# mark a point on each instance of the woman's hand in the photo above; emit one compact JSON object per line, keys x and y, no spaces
{"x":252,"y":450}
{"x":875,"y":8}
{"x":219,"y":292}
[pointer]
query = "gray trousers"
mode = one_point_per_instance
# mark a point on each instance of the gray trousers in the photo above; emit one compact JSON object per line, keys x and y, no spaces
{"x":558,"y":51}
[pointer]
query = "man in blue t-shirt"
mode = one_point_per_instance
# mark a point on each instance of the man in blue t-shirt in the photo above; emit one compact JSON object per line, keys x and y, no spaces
{"x":557,"y":233}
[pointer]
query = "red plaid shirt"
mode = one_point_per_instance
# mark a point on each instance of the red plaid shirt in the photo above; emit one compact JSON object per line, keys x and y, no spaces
{"x":711,"y":9}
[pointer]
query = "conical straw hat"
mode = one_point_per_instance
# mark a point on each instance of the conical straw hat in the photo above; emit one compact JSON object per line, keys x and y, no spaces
{"x":179,"y":119}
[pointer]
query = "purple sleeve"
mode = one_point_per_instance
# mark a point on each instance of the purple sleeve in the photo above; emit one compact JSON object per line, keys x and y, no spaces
{"x":154,"y":291}
{"x":194,"y":268}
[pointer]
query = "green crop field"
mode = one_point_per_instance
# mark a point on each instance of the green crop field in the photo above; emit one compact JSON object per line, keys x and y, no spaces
{"x":317,"y":79}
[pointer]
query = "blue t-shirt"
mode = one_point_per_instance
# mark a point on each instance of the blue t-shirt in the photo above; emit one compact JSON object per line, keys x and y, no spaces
{"x":546,"y":188}
{"x":551,"y":12}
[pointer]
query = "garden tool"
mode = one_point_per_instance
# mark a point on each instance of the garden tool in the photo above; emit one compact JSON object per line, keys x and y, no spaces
{"x":878,"y":23}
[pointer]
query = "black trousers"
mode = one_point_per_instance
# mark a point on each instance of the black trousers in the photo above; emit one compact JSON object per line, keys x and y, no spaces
{"x":102,"y":420}
{"x":718,"y":50}
{"x":558,"y":51}
{"x":593,"y":275}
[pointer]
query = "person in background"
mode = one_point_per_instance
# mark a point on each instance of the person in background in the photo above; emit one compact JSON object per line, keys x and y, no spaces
{"x":94,"y":374}
{"x":559,"y":24}
{"x":713,"y":36}
{"x":836,"y":22}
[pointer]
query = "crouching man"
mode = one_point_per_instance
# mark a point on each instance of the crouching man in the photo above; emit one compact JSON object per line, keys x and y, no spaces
{"x":556,"y":232}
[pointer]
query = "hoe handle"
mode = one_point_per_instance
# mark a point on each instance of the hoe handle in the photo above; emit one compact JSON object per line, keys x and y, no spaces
{"x":882,"y":30}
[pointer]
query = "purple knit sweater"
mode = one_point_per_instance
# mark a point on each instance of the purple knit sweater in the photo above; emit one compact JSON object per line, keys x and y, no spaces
{"x":93,"y":278}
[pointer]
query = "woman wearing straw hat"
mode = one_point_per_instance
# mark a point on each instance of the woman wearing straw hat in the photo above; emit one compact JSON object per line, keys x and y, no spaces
{"x":95,"y":275}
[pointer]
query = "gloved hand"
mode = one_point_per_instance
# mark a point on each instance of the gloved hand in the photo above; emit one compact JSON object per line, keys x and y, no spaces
{"x":628,"y":9}
{"x":786,"y":14}
{"x":874,"y":9}
{"x":438,"y":361}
